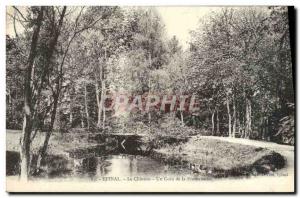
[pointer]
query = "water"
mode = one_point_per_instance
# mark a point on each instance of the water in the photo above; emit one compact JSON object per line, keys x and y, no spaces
{"x":100,"y":162}
{"x":123,"y":166}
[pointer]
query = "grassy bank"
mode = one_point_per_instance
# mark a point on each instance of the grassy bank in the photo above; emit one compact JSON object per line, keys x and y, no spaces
{"x":58,"y":145}
{"x":221,"y":158}
{"x":202,"y":155}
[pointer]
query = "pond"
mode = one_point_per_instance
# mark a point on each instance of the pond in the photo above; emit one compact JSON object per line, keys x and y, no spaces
{"x":120,"y":167}
{"x":112,"y":160}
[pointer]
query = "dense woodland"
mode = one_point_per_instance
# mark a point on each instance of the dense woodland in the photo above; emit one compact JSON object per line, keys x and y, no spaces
{"x":61,"y":61}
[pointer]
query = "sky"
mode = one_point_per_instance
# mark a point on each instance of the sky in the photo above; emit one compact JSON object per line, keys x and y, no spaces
{"x":9,"y":24}
{"x":179,"y":21}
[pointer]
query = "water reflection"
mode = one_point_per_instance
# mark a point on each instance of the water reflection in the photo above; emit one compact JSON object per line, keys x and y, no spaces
{"x":119,"y":166}
{"x":110,"y":160}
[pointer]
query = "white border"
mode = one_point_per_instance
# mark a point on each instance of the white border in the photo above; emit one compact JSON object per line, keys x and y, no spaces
{"x":111,"y":2}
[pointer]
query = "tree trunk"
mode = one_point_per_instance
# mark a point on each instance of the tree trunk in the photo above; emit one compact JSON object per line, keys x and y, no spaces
{"x":250,"y":118}
{"x":81,"y":116}
{"x":25,"y":148}
{"x":149,"y":85}
{"x":43,"y":151}
{"x":98,"y":102}
{"x":262,"y":128}
{"x":103,"y":92}
{"x":86,"y":107}
{"x":238,"y":124}
{"x":71,"y":111}
{"x":57,"y":124}
{"x":264,"y":124}
{"x":213,"y":123}
{"x":57,"y":118}
{"x":99,"y":96}
{"x":27,"y":122}
{"x":99,"y":117}
{"x":268,"y":138}
{"x":234,"y":118}
{"x":229,"y":117}
{"x":218,"y":123}
{"x":103,"y":103}
{"x":248,"y":128}
{"x":181,"y":118}
{"x":56,"y":94}
{"x":242,"y":126}
{"x":71,"y":117}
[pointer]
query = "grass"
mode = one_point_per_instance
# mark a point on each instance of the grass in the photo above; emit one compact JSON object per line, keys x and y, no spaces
{"x":220,"y":156}
{"x":224,"y":156}
{"x":58,"y":145}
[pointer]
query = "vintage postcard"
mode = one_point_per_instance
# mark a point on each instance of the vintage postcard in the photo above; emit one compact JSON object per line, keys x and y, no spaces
{"x":150,"y":99}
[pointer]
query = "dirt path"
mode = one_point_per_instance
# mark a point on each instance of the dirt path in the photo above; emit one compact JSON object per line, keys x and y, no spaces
{"x":285,"y":150}
{"x":281,"y":181}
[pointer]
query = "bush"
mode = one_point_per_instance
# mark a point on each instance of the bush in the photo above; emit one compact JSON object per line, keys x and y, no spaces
{"x":287,"y":128}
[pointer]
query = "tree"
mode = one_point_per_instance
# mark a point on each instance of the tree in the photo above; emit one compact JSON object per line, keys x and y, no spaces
{"x":234,"y":51}
{"x":27,"y":123}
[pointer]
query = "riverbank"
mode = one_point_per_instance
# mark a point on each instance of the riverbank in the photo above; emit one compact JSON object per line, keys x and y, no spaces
{"x":58,"y":145}
{"x":220,"y":158}
{"x":57,"y":151}
{"x":208,"y":155}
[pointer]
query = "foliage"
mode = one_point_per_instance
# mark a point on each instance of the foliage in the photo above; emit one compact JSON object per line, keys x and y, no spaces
{"x":238,"y":64}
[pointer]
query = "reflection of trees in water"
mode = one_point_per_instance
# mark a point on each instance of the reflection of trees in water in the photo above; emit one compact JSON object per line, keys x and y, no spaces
{"x":90,"y":165}
{"x":132,"y":164}
{"x":115,"y":160}
{"x":103,"y":164}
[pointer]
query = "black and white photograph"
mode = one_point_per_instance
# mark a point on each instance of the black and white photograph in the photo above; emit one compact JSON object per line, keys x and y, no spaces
{"x":150,"y":98}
